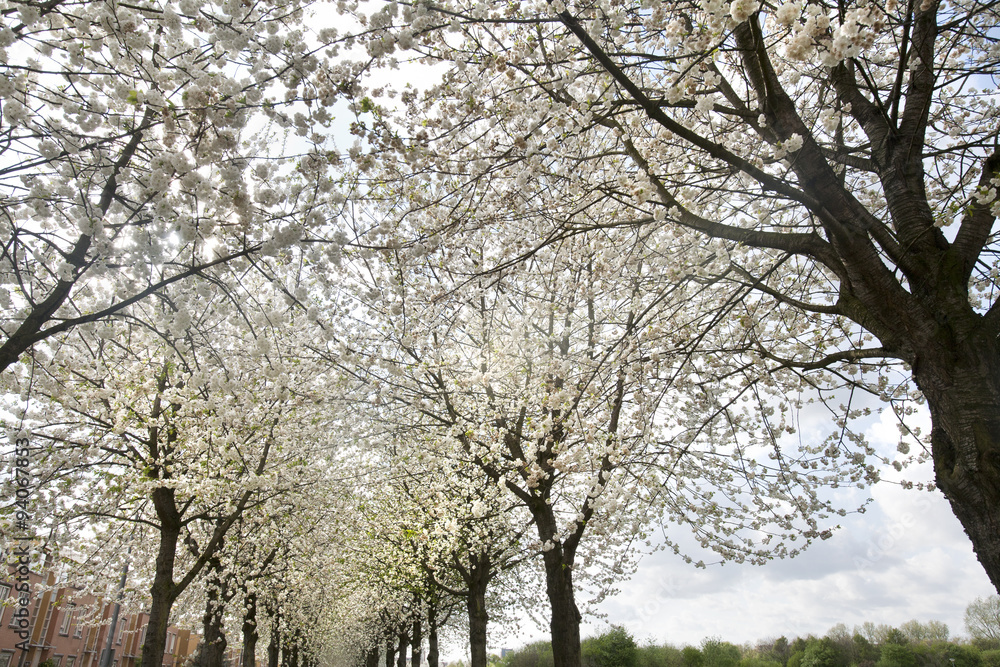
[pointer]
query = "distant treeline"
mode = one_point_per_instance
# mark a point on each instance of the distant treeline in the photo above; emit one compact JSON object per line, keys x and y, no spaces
{"x":913,"y":644}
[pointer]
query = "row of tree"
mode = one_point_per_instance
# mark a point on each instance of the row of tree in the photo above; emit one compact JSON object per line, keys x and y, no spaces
{"x":587,"y":282}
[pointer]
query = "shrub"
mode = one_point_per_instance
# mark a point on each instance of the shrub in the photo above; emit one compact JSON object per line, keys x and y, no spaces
{"x":991,"y":658}
{"x":692,"y":657}
{"x":864,"y":651}
{"x":614,"y":648}
{"x":718,"y":653}
{"x":963,"y":656}
{"x":660,"y":656}
{"x":821,"y":653}
{"x":758,"y":661}
{"x":896,"y":655}
{"x":538,"y":654}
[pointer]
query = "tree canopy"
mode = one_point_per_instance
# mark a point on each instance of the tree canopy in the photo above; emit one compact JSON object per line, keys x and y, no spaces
{"x":825,"y":175}
{"x":585,"y":281}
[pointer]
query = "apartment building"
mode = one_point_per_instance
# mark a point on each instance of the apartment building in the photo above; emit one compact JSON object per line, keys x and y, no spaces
{"x":68,"y":629}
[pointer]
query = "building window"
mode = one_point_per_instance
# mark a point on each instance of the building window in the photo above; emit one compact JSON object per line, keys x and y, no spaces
{"x":121,"y":631}
{"x":6,"y":657}
{"x":70,"y":661}
{"x":57,"y":661}
{"x":4,"y":594}
{"x":67,"y":620}
{"x":78,"y":629}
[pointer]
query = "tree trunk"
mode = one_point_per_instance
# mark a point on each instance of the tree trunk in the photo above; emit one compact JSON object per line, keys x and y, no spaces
{"x":962,"y":388}
{"x":432,"y":637}
{"x":475,"y":602}
{"x":250,"y":635}
{"x":212,"y":648}
{"x":416,"y":641}
{"x":274,"y":643}
{"x":371,"y":658}
{"x":162,"y":592}
{"x":565,"y":624}
{"x":390,"y":651}
{"x":403,"y":643}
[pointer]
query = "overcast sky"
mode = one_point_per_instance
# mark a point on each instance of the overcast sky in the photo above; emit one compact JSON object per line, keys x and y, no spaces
{"x":906,"y":557}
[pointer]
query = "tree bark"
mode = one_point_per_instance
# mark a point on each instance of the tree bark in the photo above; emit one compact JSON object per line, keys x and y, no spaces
{"x":962,"y":388}
{"x":250,"y":635}
{"x":274,"y":644}
{"x":390,"y":651}
{"x":564,"y":626}
{"x":403,"y":643}
{"x":162,"y":592}
{"x":371,"y":658}
{"x":432,"y":636}
{"x":558,"y":558}
{"x":477,"y":583}
{"x":416,"y":641}
{"x":212,"y":648}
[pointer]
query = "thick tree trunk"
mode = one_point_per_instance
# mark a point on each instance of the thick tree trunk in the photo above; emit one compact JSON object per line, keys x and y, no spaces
{"x":565,"y":624}
{"x":390,"y":651}
{"x":274,"y":644}
{"x":403,"y":643}
{"x":250,"y":635}
{"x":212,"y":647}
{"x":962,"y":388}
{"x":162,"y":592}
{"x":371,"y":658}
{"x":478,"y":616}
{"x":433,"y":655}
{"x":416,"y":642}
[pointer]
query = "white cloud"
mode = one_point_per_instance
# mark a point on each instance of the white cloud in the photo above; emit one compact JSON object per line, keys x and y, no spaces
{"x":905,"y":557}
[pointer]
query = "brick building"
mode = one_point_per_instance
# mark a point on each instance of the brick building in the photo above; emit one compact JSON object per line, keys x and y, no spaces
{"x":71,"y":630}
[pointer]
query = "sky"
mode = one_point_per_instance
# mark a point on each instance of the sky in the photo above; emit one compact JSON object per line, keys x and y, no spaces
{"x":906,"y":557}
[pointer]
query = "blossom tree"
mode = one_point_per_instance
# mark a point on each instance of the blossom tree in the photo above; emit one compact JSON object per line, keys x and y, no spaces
{"x":307,"y":606}
{"x":145,"y":143}
{"x":180,"y":418}
{"x":832,"y":166}
{"x":560,"y":389}
{"x":441,"y":531}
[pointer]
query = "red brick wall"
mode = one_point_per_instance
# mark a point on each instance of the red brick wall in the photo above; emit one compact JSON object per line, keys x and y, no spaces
{"x":81,"y":639}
